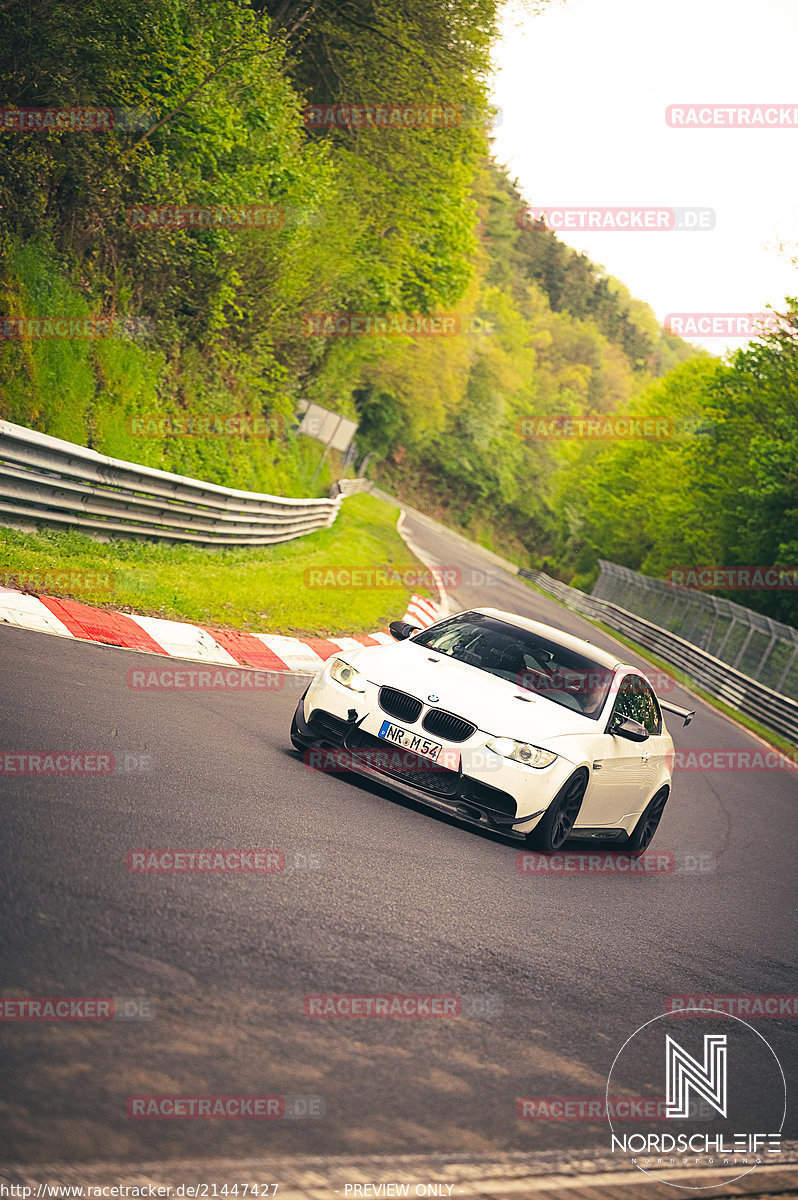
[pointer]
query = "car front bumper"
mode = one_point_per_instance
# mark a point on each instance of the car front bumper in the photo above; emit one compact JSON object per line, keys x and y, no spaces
{"x":487,"y":791}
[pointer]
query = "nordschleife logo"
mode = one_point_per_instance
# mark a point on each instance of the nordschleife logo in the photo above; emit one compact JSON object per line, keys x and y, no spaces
{"x":683,"y":1075}
{"x":725,"y":1099}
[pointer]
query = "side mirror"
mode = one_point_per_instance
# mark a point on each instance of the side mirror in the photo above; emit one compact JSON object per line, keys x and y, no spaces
{"x":627,"y":727}
{"x":401,"y":630}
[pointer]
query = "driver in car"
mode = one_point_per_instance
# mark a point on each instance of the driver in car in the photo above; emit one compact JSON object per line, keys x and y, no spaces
{"x":593,"y":694}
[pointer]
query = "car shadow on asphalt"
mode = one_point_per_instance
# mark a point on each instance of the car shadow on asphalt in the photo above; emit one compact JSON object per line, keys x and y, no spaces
{"x":386,"y":792}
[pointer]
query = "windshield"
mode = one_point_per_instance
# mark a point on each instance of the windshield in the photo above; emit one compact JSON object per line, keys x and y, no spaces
{"x":529,"y":661}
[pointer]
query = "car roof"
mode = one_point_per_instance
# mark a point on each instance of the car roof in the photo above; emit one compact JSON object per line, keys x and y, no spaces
{"x":578,"y":645}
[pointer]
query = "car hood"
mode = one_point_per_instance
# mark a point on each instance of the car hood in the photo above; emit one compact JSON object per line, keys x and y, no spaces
{"x":469,"y":692}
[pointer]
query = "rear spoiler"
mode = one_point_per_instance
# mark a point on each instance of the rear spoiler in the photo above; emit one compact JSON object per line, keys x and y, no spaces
{"x":684,"y":713}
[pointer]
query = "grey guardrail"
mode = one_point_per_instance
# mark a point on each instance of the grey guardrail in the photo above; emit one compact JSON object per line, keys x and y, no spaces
{"x":718,"y":678}
{"x":48,"y":481}
{"x":349,"y":487}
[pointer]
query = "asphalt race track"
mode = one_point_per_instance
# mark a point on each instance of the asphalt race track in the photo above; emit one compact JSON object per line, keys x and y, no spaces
{"x":377,"y":895}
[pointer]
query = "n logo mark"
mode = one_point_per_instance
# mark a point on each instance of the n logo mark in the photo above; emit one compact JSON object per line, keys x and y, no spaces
{"x":683,"y":1073}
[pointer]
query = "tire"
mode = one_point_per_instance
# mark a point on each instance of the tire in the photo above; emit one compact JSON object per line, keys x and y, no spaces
{"x":296,"y":741}
{"x":641,"y":836}
{"x":556,"y":824}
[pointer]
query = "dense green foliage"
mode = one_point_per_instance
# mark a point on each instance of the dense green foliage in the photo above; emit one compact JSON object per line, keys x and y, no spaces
{"x":399,"y":218}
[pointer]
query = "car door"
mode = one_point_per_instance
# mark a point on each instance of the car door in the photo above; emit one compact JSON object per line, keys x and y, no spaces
{"x":659,"y":744}
{"x":622,"y":773}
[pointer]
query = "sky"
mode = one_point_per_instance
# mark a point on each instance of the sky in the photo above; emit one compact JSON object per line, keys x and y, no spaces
{"x":583,"y":87}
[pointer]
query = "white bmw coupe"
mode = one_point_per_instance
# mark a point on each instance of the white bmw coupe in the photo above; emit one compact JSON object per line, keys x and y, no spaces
{"x":502,"y":722}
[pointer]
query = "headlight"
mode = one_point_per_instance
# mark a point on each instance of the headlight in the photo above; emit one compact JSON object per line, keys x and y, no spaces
{"x":342,"y":673}
{"x":530,"y":756}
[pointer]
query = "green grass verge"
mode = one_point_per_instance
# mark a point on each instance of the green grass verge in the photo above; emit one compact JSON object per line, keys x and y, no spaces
{"x":776,"y":740}
{"x":261,"y":589}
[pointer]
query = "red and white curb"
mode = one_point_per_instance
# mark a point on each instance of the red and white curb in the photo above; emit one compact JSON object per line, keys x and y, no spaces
{"x":178,"y":639}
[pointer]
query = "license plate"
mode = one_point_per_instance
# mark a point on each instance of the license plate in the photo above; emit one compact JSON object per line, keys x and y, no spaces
{"x":420,"y":745}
